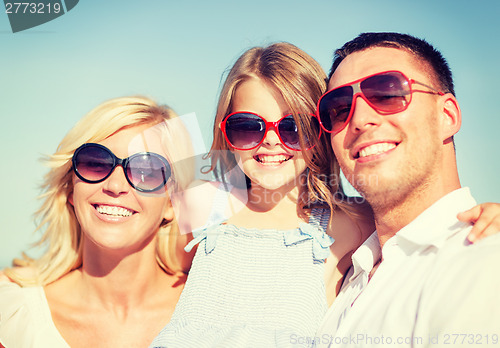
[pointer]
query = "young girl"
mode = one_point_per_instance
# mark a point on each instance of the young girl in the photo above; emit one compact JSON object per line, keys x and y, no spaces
{"x":258,"y":276}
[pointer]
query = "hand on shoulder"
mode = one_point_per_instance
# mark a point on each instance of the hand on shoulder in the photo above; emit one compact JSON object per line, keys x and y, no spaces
{"x":485,"y":219}
{"x":4,"y":278}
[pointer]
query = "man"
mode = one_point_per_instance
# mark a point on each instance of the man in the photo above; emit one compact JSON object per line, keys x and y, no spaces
{"x":417,"y":281}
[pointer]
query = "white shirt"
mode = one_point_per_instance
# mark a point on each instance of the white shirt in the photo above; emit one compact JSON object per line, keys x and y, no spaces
{"x":433,"y":288}
{"x":25,"y":319}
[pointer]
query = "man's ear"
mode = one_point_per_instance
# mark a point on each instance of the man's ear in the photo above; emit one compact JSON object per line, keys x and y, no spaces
{"x":452,"y":116}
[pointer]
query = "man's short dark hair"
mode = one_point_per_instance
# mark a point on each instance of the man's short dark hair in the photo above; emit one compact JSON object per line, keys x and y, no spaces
{"x":420,"y":48}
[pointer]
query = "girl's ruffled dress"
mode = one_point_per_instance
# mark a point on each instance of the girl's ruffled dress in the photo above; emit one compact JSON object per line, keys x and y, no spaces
{"x":251,"y":287}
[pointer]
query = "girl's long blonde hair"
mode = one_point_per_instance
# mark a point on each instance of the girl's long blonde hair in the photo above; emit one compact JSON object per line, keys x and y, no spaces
{"x":56,"y":217}
{"x":301,"y":82}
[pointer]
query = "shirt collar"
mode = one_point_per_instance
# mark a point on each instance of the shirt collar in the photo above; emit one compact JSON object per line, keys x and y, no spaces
{"x":366,"y":256}
{"x":437,"y":223}
{"x":432,"y":227}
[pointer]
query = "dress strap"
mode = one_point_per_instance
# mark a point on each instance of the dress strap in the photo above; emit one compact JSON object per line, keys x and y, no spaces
{"x":219,"y":204}
{"x":216,"y":217}
{"x":315,"y":229}
{"x":320,"y":218}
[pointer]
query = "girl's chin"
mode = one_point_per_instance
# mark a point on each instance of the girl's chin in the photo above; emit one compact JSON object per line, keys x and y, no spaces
{"x":274,"y":184}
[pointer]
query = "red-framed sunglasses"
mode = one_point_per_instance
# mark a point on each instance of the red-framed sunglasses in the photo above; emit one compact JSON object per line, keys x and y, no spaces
{"x":387,"y":92}
{"x":246,"y":130}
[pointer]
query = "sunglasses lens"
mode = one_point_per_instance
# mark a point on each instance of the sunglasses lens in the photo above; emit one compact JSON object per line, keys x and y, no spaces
{"x":147,"y":171}
{"x":334,"y":108}
{"x":289,"y":133}
{"x":245,"y":131}
{"x":93,"y":163}
{"x":388,"y":92}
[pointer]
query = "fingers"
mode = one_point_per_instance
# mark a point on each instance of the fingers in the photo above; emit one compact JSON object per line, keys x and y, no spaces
{"x":477,"y":231}
{"x":482,"y":231}
{"x":485,"y":218}
{"x":4,"y":278}
{"x":470,"y":215}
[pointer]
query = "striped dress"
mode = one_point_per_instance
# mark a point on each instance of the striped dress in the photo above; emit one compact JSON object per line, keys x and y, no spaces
{"x":250,"y":287}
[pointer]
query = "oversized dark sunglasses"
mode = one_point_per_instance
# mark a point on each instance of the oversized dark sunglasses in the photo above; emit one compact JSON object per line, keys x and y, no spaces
{"x":387,"y":92}
{"x":245,"y":130}
{"x":144,"y":171}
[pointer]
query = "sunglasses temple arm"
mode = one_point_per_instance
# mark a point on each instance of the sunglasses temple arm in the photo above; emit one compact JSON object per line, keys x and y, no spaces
{"x":425,"y":85}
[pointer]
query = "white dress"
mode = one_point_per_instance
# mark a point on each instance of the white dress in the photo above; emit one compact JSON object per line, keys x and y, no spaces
{"x":25,"y":319}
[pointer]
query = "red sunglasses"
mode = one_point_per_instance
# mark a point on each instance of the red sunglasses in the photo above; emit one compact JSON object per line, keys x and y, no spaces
{"x":387,"y":92}
{"x":245,"y":130}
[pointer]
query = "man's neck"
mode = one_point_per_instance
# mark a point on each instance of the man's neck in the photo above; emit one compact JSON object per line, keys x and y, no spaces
{"x":389,"y":220}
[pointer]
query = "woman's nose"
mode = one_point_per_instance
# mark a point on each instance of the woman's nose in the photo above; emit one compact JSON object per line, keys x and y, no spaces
{"x":117,"y":183}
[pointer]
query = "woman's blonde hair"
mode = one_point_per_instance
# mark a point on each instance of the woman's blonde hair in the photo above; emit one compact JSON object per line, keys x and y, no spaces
{"x":62,"y":234}
{"x":301,"y":81}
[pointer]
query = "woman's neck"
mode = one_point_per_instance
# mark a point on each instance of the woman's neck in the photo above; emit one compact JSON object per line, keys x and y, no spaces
{"x":117,"y":279}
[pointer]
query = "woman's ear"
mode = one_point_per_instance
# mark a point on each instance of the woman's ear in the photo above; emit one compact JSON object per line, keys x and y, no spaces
{"x":452,"y":116}
{"x":168,"y":214}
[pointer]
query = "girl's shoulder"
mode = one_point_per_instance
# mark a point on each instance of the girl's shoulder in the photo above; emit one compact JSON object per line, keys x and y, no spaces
{"x":351,"y":224}
{"x":200,"y":199}
{"x":353,"y":214}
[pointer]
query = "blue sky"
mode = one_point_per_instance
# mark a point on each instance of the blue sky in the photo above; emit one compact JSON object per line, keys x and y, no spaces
{"x":176,"y":53}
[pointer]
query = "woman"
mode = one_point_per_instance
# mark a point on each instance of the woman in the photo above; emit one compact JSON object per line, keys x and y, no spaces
{"x":111,"y":275}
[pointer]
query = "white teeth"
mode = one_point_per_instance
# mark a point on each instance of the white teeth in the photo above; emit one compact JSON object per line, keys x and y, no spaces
{"x":375,"y":149}
{"x":272,"y":159}
{"x":113,"y":211}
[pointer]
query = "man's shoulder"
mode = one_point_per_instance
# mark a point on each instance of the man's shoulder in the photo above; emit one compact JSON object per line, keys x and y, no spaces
{"x":462,"y":289}
{"x":461,"y":245}
{"x":484,"y":251}
{"x":457,"y":249}
{"x":467,"y":263}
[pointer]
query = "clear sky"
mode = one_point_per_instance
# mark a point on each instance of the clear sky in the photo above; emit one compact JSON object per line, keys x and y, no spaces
{"x":176,"y":53}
